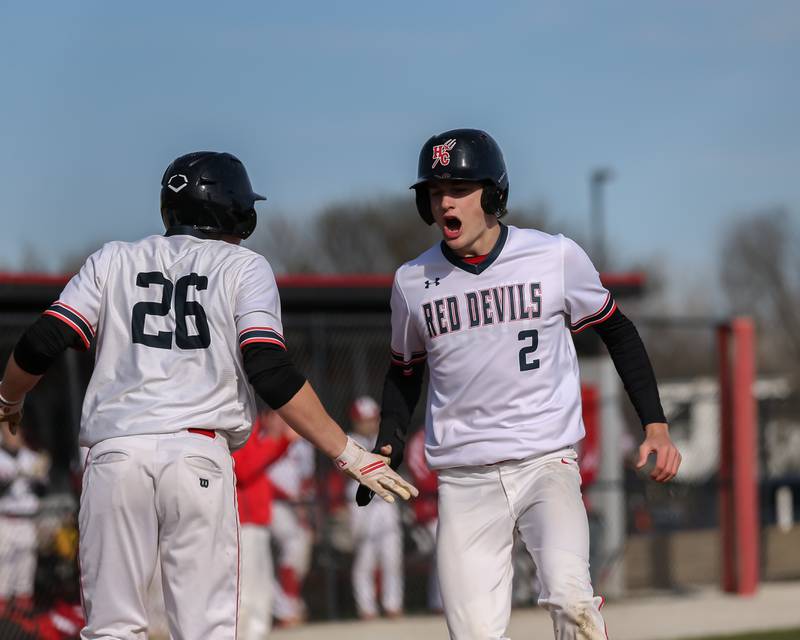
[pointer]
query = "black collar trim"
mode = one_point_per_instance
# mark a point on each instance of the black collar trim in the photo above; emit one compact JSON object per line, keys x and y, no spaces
{"x":186,"y":230}
{"x":457,"y":261}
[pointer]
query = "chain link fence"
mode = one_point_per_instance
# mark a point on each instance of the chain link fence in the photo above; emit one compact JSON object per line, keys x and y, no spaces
{"x":672,"y":539}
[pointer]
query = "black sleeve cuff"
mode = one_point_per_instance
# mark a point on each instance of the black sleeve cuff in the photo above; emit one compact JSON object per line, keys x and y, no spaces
{"x":272,"y":374}
{"x":42,"y":343}
{"x":630,"y":358}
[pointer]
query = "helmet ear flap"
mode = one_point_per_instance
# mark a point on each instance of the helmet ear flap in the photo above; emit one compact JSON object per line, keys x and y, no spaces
{"x":247,"y":223}
{"x":493,"y":200}
{"x":424,"y":203}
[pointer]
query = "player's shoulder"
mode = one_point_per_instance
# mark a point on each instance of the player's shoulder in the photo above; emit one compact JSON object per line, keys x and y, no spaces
{"x":219,"y":250}
{"x":234,"y":252}
{"x":121,"y":247}
{"x":536,"y":237}
{"x":411,"y":268}
{"x":556,"y":244}
{"x":110,"y":248}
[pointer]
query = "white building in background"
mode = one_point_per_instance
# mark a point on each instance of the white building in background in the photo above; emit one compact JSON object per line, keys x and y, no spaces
{"x":692,"y":408}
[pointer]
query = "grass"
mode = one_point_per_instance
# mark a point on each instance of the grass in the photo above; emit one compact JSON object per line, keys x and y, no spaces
{"x":788,"y":634}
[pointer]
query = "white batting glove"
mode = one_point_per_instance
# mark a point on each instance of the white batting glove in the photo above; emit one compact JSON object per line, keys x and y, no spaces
{"x":373,"y":472}
{"x":11,"y":412}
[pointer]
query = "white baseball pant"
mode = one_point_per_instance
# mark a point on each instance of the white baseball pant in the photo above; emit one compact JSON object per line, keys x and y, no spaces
{"x":384,"y":553}
{"x":434,"y":592}
{"x":478,"y":509}
{"x":168,"y":493}
{"x":17,"y":556}
{"x":294,"y":543}
{"x":378,"y":544}
{"x":255,"y":615}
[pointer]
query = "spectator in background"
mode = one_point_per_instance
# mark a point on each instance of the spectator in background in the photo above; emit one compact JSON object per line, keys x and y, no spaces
{"x":377,"y":534}
{"x":254,"y":496}
{"x":21,"y":471}
{"x":292,"y":480}
{"x":425,"y":510}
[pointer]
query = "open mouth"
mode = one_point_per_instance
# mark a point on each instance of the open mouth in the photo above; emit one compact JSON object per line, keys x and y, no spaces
{"x":451,"y":227}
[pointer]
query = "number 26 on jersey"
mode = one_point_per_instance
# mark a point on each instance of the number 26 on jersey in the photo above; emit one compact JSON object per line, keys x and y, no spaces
{"x":183,"y":309}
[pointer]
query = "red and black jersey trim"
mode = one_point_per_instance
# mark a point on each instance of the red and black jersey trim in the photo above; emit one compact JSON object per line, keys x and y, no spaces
{"x":603,"y":314}
{"x":268,"y":335}
{"x":398,"y":359}
{"x":73,"y":319}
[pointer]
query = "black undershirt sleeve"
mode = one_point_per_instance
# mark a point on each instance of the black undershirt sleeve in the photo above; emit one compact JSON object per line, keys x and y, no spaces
{"x":401,"y":392}
{"x":43,"y":342}
{"x":633,"y":365}
{"x":272,"y":374}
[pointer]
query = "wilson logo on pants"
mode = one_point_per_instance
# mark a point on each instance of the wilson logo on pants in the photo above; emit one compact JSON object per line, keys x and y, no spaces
{"x":204,"y":483}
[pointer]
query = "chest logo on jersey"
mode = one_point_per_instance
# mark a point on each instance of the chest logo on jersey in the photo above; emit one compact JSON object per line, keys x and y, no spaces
{"x":506,"y":303}
{"x":441,"y":153}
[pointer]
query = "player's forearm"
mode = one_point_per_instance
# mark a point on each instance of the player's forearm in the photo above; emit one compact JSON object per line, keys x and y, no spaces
{"x":630,"y":358}
{"x":16,"y":381}
{"x":306,"y":415}
{"x":401,"y":394}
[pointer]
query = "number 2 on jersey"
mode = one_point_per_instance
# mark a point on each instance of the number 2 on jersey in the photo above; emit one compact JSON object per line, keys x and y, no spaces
{"x":524,"y":363}
{"x":183,"y":308}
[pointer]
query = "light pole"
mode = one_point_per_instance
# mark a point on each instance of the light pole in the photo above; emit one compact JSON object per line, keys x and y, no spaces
{"x":597,"y":180}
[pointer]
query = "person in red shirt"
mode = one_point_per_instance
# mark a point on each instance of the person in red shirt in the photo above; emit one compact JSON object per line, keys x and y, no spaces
{"x":254,"y":497}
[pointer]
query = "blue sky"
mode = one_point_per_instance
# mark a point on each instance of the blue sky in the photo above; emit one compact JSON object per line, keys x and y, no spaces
{"x":695,"y":105}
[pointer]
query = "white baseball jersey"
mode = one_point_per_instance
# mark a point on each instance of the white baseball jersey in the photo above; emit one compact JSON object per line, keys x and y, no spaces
{"x":504,"y":382}
{"x":293,"y":468}
{"x":170,"y":314}
{"x":18,"y":471}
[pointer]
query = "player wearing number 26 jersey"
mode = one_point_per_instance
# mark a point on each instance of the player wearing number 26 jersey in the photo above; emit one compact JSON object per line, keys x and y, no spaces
{"x":199,"y":301}
{"x":186,"y":327}
{"x":490,"y":310}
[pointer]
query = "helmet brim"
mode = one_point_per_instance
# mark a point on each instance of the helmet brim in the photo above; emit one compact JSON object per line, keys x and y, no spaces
{"x":423,"y":181}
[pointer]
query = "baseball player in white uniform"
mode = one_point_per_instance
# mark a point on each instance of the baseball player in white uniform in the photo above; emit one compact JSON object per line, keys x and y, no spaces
{"x":290,"y":529}
{"x":490,"y":309}
{"x":377,"y":532}
{"x":185,"y":326}
{"x":20,"y":470}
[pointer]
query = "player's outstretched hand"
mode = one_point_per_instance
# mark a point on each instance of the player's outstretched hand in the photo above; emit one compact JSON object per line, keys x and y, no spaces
{"x":668,"y":458}
{"x":373,"y":472}
{"x":364,"y":495}
{"x":11,"y":413}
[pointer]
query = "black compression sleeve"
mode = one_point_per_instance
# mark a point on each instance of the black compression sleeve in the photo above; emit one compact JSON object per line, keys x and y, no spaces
{"x":633,"y":365}
{"x":42,"y":343}
{"x":272,"y":374}
{"x":401,"y":393}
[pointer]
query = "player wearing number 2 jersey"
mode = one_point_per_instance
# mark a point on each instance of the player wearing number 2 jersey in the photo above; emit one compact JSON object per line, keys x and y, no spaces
{"x":185,"y":326}
{"x":490,"y":310}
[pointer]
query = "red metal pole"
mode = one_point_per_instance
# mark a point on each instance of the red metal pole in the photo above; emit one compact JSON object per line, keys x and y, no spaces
{"x":727,"y":533}
{"x":745,"y":450}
